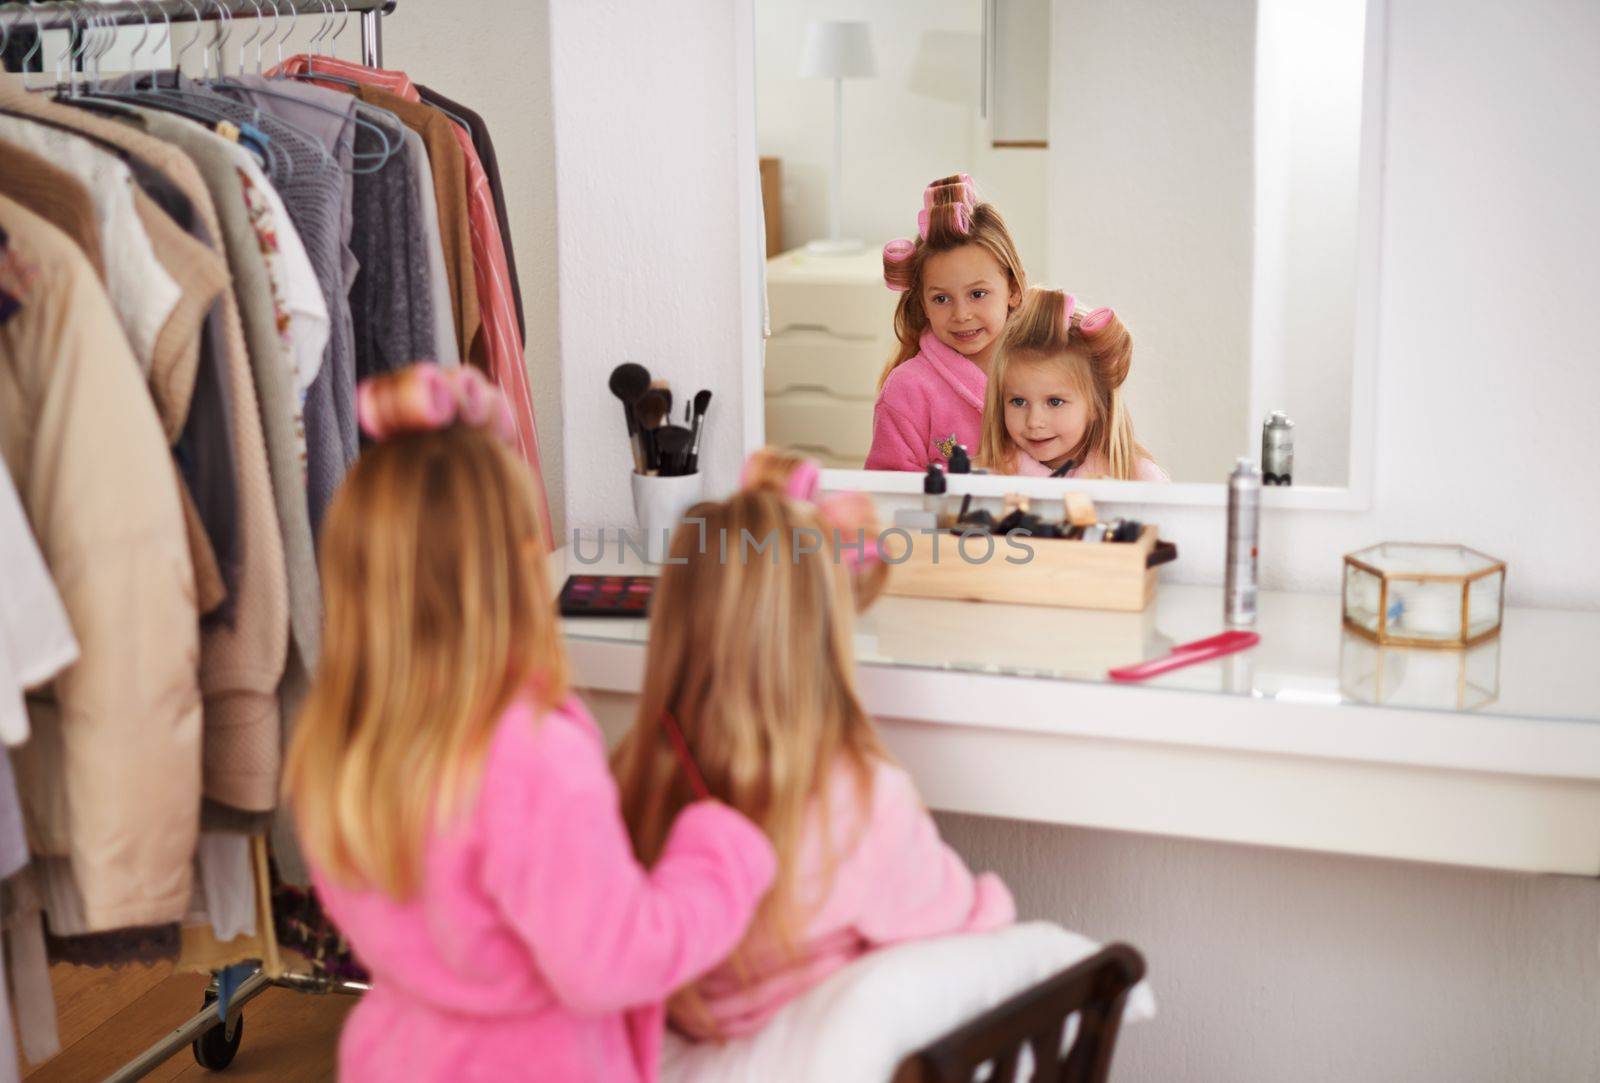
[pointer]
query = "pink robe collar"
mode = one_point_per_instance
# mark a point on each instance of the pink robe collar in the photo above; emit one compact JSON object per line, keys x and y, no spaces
{"x":963,"y":375}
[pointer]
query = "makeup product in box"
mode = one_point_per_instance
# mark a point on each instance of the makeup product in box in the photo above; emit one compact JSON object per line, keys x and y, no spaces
{"x":1244,"y":531}
{"x":606,"y":595}
{"x":1080,"y":510}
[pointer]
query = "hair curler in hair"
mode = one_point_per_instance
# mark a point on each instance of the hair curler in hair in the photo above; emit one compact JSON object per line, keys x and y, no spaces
{"x":897,"y":264}
{"x":414,"y":398}
{"x":1095,"y":320}
{"x":944,"y":218}
{"x":940,"y":192}
{"x":473,"y":393}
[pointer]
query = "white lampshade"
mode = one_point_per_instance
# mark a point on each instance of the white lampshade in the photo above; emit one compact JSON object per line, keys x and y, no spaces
{"x":838,"y":49}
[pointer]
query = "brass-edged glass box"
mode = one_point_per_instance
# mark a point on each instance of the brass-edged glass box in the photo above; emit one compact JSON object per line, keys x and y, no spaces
{"x":1413,"y":595}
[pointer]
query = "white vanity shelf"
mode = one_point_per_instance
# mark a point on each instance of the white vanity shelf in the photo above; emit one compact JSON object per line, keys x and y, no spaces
{"x":1488,"y":759}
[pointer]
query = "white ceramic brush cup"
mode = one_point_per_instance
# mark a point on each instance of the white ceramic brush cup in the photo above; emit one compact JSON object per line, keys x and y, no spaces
{"x":659,"y":504}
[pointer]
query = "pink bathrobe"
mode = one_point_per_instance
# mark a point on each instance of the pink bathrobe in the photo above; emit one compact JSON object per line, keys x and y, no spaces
{"x":928,"y":405}
{"x":1025,"y":465}
{"x":537,"y":948}
{"x":867,"y":878}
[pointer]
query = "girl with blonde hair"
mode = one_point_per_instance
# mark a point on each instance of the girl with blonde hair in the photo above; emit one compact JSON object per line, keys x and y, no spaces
{"x":750,"y":696}
{"x":452,"y":795}
{"x":959,"y":282}
{"x":1054,"y":406}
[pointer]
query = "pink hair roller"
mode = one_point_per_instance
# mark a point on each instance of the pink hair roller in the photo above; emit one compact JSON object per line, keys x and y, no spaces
{"x":419,"y":397}
{"x":474,"y":395}
{"x":963,"y":220}
{"x":803,"y":480}
{"x":969,"y":192}
{"x":897,"y":252}
{"x":1069,"y":305}
{"x":1097,"y":319}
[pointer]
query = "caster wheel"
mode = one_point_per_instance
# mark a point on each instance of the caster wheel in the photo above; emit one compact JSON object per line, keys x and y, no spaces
{"x":215,"y":1049}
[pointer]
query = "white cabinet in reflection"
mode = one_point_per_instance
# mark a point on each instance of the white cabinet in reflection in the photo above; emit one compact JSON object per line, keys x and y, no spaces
{"x":832,"y":334}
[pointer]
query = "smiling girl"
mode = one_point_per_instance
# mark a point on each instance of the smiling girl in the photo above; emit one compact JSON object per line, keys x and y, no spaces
{"x":1054,"y":405}
{"x":959,"y":283}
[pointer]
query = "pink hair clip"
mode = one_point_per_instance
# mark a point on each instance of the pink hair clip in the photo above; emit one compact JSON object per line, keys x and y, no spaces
{"x":1069,"y":305}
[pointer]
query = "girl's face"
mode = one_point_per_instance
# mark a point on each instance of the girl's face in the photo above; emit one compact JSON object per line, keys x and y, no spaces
{"x":1046,"y":413}
{"x":967,"y":296}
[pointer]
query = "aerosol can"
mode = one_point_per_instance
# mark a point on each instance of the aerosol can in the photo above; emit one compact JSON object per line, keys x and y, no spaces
{"x":1277,"y":449}
{"x":1244,"y":536}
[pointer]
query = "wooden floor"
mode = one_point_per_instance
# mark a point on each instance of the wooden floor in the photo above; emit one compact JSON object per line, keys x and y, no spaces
{"x":107,"y":1017}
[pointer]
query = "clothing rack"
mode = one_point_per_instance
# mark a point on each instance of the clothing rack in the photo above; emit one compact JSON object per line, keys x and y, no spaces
{"x":56,"y":15}
{"x":215,"y":1039}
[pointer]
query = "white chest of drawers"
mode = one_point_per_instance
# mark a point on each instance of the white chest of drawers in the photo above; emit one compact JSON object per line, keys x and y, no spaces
{"x":832,"y":333}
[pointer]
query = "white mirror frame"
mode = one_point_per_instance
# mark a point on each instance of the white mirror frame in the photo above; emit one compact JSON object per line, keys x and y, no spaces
{"x":1356,"y":496}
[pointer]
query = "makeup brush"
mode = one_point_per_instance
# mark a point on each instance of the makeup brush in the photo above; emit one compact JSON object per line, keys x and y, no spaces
{"x":702,"y":400}
{"x":628,"y":382}
{"x":651,"y":410}
{"x":665,"y":387}
{"x":672,"y":444}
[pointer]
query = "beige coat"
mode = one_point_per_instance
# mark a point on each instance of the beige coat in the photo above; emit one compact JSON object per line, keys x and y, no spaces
{"x":241,"y":665}
{"x":111,"y":776}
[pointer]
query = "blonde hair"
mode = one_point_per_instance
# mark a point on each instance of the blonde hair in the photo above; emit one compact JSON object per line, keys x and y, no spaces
{"x":438,"y":613}
{"x":952,"y":218}
{"x":753,"y":656}
{"x":1096,"y":361}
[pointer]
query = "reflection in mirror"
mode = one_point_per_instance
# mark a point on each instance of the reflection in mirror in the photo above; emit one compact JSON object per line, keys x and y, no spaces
{"x":1193,"y":168}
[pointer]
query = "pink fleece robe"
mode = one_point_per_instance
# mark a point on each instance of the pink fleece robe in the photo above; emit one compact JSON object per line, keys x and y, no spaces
{"x":927,"y":405}
{"x":867,"y":877}
{"x":537,"y":947}
{"x":1025,"y":465}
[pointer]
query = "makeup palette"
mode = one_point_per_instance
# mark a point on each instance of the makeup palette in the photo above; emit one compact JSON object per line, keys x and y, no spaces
{"x":607,"y":595}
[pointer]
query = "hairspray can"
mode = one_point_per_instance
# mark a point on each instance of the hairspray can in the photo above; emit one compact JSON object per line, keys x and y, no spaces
{"x":1277,"y":449}
{"x":1244,"y":530}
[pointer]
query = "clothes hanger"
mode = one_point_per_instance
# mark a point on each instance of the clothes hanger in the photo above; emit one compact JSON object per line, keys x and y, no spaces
{"x":369,"y":162}
{"x":116,"y":100}
{"x":322,"y":77}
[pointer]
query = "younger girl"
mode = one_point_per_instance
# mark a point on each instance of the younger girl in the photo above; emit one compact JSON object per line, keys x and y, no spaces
{"x":958,"y":282}
{"x":750,"y":692}
{"x":1054,"y":406}
{"x":453,"y":797}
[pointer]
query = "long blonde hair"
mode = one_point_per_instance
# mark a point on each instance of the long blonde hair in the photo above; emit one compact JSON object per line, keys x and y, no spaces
{"x":951,"y":218}
{"x":1096,"y":361}
{"x":439,"y":612}
{"x":751,"y":652}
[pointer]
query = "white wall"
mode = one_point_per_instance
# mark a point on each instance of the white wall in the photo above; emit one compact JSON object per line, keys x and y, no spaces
{"x":1150,"y":182}
{"x":1274,"y":965}
{"x":651,"y":247}
{"x":916,"y":121}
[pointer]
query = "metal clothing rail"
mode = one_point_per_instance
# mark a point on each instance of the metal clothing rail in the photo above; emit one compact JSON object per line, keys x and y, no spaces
{"x":56,"y":15}
{"x":214,"y":1040}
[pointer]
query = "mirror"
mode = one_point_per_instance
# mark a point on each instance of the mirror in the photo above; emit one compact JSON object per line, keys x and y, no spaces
{"x":1203,"y":170}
